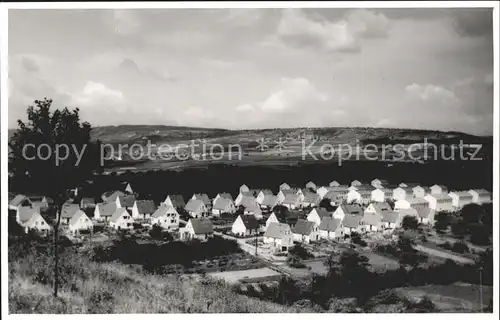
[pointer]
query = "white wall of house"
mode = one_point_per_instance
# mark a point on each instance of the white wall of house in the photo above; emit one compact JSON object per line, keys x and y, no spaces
{"x":323,"y":234}
{"x":353,"y":196}
{"x":399,"y":194}
{"x":418,"y":192}
{"x":322,"y":191}
{"x":124,"y":222}
{"x":480,"y":198}
{"x":378,"y":195}
{"x":83,"y":223}
{"x":402,"y":204}
{"x":169,"y":220}
{"x":459,"y":201}
{"x":339,"y":213}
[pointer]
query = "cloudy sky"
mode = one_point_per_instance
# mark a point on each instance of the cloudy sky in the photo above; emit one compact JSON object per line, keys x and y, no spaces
{"x":258,"y":68}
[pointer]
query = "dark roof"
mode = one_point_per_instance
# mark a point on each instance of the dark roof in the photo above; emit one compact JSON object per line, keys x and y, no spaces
{"x":303,"y":227}
{"x":112,"y":195}
{"x":249,"y":221}
{"x":352,"y":220}
{"x":177,"y":200}
{"x":18,"y":199}
{"x":381,"y":207}
{"x":127,"y":201}
{"x":291,"y":198}
{"x":323,"y":213}
{"x":87,"y":201}
{"x":330,"y":224}
{"x":145,"y":206}
{"x":423,"y":212}
{"x":106,"y":209}
{"x":372,"y":219}
{"x":69,"y":210}
{"x":267,"y":192}
{"x":226,"y":196}
{"x":202,"y":226}
{"x":269,"y":200}
{"x":118,"y":213}
{"x":390,"y":216}
{"x":351,"y":209}
{"x":311,"y":197}
{"x":247,"y":201}
{"x":25,"y":213}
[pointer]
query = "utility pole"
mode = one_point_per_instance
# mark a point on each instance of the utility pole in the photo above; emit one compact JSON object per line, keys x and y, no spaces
{"x":256,"y":242}
{"x":481,"y":288}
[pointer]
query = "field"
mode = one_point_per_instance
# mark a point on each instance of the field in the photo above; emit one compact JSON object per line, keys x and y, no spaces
{"x":457,"y":297}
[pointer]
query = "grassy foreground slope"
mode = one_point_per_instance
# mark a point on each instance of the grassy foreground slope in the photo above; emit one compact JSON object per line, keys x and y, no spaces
{"x":90,"y":287}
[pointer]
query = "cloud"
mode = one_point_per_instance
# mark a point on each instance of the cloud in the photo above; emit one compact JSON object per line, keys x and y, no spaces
{"x":294,"y":93}
{"x":97,"y":95}
{"x":297,"y":29}
{"x":243,"y":17}
{"x":126,"y":21}
{"x":432,"y":93}
{"x":474,"y":22}
{"x":245,"y":108}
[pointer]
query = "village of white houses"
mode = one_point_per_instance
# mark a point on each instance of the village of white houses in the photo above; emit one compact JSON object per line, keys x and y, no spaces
{"x":250,"y":161}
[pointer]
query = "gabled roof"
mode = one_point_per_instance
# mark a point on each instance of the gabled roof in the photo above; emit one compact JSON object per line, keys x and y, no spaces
{"x":405,"y":189}
{"x":106,"y":209}
{"x":416,"y":201}
{"x":248,"y":201}
{"x":303,"y":227}
{"x":408,"y":212}
{"x":247,"y":194}
{"x":30,"y":222}
{"x":203,"y":197}
{"x":112,"y":195}
{"x":18,"y":199}
{"x":269,"y":200}
{"x":25,"y":213}
{"x":222,"y":204}
{"x":225,"y":195}
{"x":291,"y":198}
{"x":330,"y":224}
{"x":69,"y":210}
{"x":322,"y":213}
{"x":194,"y":205}
{"x":383,"y":190}
{"x":85,"y":201}
{"x":244,"y":187}
{"x":372,"y":219}
{"x":423,"y":212}
{"x":284,"y":185}
{"x":442,"y":186}
{"x":381,"y":181}
{"x":365,"y":187}
{"x":382,"y":207}
{"x":334,"y":184}
{"x":177,"y":200}
{"x":127,"y":201}
{"x":352,"y":209}
{"x":276,"y":230}
{"x":311,"y":197}
{"x":310,"y":184}
{"x":117,"y":214}
{"x":145,"y":206}
{"x":202,"y":226}
{"x":267,"y":192}
{"x":249,"y":221}
{"x":74,"y":219}
{"x":440,"y":197}
{"x":333,"y":196}
{"x":410,"y":185}
{"x":480,"y":192}
{"x":461,"y":194}
{"x":163,"y":210}
{"x":352,"y":220}
{"x":390,"y":216}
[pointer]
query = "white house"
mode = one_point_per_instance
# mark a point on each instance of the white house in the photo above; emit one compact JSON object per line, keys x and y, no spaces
{"x":363,"y":195}
{"x":269,"y":201}
{"x":317,"y":214}
{"x":279,"y":235}
{"x":262,"y":195}
{"x":311,"y":199}
{"x":271,"y":219}
{"x":223,"y":205}
{"x":460,"y":198}
{"x":166,"y":217}
{"x":110,"y":196}
{"x":80,"y":221}
{"x":381,"y":194}
{"x":292,"y":201}
{"x":409,"y":185}
{"x":244,"y":197}
{"x":196,"y":208}
{"x":425,"y":215}
{"x":391,"y":219}
{"x":420,"y":192}
{"x":244,"y":188}
{"x":87,"y":203}
{"x":373,"y":215}
{"x":245,"y":225}
{"x":126,"y":201}
{"x":175,"y":200}
{"x":305,"y":231}
{"x":284,"y":186}
{"x":411,"y":203}
{"x":121,"y":219}
{"x":143,"y":209}
{"x":224,"y":195}
{"x":480,"y":196}
{"x":128,"y":189}
{"x":311,"y":185}
{"x":203,"y":197}
{"x":407,"y":212}
{"x":321,"y":191}
{"x":31,"y":219}
{"x":439,"y":202}
{"x":356,"y":183}
{"x":104,"y":211}
{"x":67,"y":212}
{"x":353,"y":223}
{"x":401,"y":193}
{"x":345,"y":209}
{"x":379,"y":183}
{"x":334,"y":184}
{"x":201,"y":229}
{"x":253,"y":208}
{"x":437,"y":189}
{"x":331,"y":228}
{"x":19,"y":200}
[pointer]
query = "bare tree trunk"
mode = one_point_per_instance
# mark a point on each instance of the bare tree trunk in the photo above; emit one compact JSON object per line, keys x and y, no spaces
{"x":56,"y":249}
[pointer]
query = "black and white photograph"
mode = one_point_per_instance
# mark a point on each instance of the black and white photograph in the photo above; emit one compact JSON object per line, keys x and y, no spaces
{"x":241,"y":157}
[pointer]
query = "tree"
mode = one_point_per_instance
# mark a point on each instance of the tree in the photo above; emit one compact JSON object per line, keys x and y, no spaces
{"x":471,"y":213}
{"x":459,"y":228}
{"x":480,"y":235}
{"x":300,"y":252}
{"x":156,"y":232}
{"x":326,"y":203}
{"x":441,"y":221}
{"x":409,"y":223}
{"x":408,"y":256}
{"x":51,"y":153}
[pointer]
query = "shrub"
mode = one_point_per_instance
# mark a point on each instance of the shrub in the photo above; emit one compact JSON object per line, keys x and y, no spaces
{"x":301,"y":252}
{"x":100,"y":301}
{"x":460,"y":247}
